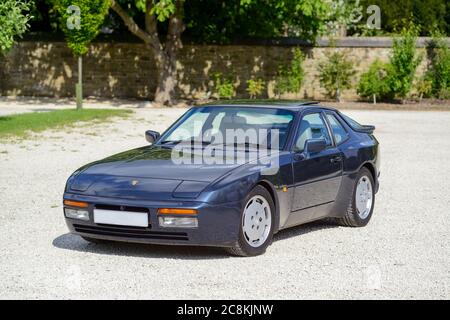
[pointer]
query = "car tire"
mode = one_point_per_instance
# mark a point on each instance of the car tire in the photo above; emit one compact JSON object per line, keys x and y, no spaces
{"x":355,"y":215}
{"x":260,"y":198}
{"x":94,"y":240}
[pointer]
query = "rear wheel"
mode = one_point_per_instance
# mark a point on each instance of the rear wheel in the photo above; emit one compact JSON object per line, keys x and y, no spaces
{"x":362,"y":202}
{"x":257,"y":224}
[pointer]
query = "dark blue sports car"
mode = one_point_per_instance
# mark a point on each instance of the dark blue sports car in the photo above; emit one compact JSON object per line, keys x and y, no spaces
{"x":230,"y":175}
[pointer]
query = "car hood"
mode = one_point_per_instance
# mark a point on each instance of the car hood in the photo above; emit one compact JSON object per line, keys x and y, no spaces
{"x":147,"y":173}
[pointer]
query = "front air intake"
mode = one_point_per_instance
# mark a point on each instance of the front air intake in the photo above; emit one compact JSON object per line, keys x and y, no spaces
{"x":130,"y":232}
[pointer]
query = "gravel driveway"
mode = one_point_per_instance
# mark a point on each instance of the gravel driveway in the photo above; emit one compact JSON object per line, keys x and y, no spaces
{"x":403,"y":253}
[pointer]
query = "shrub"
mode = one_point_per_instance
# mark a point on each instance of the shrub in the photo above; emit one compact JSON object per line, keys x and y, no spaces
{"x":403,"y":64}
{"x":223,"y":86}
{"x":373,"y":83}
{"x":444,"y":93}
{"x":336,"y":74}
{"x":290,"y":78}
{"x":424,"y":87}
{"x":255,"y":87}
{"x":439,"y":68}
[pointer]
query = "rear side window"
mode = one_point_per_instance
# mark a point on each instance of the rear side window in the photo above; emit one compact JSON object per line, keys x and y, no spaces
{"x":339,"y":132}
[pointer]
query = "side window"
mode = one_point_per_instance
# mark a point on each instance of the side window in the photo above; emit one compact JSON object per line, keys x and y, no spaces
{"x":338,"y":130}
{"x":312,"y":126}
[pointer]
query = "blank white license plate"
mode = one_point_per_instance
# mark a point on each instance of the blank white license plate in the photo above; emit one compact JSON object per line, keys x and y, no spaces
{"x":121,"y":218}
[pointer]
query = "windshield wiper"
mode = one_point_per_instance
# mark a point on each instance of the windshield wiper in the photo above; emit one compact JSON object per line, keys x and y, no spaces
{"x":186,"y":142}
{"x":170,"y":141}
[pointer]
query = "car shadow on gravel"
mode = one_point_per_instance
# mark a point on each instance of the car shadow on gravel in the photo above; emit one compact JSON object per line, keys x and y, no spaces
{"x":304,"y":229}
{"x":73,"y":242}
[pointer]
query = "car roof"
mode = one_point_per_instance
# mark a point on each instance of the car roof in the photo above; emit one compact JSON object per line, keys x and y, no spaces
{"x":293,"y":105}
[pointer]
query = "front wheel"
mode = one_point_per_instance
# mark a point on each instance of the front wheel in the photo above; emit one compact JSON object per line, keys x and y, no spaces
{"x":257,"y":224}
{"x":360,"y":207}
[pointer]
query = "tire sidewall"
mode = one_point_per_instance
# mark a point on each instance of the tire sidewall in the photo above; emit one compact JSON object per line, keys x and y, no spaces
{"x":359,"y":220}
{"x":248,"y":249}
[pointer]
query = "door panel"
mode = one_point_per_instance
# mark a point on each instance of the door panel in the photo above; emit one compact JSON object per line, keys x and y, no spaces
{"x":317,"y":177}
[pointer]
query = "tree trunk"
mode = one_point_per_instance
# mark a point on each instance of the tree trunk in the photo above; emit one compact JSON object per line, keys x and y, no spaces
{"x":374,"y":99}
{"x":167,"y":82}
{"x":338,"y":95}
{"x":165,"y":53}
{"x":79,"y":85}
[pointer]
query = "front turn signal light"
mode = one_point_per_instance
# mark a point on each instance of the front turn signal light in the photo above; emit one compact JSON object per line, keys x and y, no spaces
{"x":177,"y":211}
{"x":77,"y":204}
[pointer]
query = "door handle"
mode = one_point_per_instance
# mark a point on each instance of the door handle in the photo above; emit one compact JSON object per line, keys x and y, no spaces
{"x":336,"y":159}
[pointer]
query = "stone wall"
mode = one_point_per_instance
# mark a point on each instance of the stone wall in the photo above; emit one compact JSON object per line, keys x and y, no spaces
{"x":127,"y":70}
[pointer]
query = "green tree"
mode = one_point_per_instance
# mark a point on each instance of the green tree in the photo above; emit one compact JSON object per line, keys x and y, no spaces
{"x":81,"y":21}
{"x":403,"y":64}
{"x":14,"y":18}
{"x":336,"y":74}
{"x":344,"y":16}
{"x":161,"y":23}
{"x":165,"y":21}
{"x":373,"y":82}
{"x":165,"y":47}
{"x":428,"y":14}
{"x":306,"y":19}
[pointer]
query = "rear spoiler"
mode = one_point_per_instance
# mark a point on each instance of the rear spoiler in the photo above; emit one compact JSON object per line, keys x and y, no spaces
{"x":365,"y":129}
{"x":356,"y":126}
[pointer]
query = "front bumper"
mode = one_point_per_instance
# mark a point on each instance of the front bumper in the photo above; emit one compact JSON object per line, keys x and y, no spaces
{"x":218,"y":225}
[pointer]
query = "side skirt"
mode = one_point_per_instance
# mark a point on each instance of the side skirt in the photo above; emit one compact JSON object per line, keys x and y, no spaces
{"x":308,"y":215}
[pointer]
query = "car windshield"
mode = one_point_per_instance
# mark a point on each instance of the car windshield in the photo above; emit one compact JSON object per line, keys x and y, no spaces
{"x":249,"y":126}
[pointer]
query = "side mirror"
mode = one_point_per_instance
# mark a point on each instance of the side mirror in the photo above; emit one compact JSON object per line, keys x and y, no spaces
{"x":151,"y":136}
{"x":315,"y":145}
